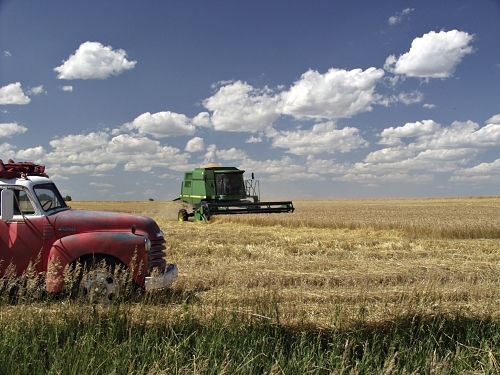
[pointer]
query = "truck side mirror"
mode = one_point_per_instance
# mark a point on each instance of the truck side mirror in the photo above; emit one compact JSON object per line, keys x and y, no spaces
{"x":6,"y":204}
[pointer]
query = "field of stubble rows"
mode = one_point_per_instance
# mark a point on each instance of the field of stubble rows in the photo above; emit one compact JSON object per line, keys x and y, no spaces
{"x":399,"y":286}
{"x":334,"y":261}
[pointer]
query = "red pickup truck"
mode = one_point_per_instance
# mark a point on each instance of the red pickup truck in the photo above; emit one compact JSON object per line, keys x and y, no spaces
{"x":39,"y":233}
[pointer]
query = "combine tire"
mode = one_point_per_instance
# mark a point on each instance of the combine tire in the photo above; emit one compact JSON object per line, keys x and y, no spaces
{"x":182,"y":215}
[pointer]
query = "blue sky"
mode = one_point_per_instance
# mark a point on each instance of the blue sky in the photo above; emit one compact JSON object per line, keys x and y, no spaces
{"x":320,"y":99}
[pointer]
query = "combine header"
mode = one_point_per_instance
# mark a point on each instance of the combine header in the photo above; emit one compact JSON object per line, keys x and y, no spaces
{"x":217,"y":190}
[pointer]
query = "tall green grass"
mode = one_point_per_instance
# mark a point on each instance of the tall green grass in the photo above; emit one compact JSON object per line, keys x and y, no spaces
{"x":88,"y":339}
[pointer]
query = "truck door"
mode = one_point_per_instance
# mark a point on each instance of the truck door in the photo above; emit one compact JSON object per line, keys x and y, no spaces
{"x":21,"y":239}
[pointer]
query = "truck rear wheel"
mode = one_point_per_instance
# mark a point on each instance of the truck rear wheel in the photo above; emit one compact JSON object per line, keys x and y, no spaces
{"x":182,"y":215}
{"x":103,"y":280}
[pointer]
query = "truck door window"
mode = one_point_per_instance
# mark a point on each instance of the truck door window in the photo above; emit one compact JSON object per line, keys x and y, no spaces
{"x":22,"y":203}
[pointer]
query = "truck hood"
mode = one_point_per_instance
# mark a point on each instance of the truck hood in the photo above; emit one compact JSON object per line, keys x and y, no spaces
{"x":71,"y":221}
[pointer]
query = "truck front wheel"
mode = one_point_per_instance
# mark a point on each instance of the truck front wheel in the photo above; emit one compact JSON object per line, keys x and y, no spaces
{"x":103,"y":280}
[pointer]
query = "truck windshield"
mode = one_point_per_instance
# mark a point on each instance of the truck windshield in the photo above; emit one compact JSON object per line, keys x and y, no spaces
{"x":49,"y":197}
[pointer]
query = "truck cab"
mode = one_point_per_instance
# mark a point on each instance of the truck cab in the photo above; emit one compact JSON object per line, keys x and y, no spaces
{"x":41,"y":234}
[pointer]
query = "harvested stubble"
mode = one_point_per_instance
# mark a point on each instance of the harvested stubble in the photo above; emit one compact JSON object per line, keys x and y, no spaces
{"x":335,"y":262}
{"x":374,"y":286}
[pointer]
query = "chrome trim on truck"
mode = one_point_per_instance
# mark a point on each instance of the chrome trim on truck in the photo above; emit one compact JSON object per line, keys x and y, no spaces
{"x":162,"y":280}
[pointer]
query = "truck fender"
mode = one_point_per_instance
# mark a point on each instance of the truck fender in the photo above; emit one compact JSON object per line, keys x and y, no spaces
{"x":128,"y":248}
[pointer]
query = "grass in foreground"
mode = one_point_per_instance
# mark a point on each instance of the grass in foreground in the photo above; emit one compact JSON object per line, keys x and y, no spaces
{"x":397,"y":286}
{"x":80,"y":339}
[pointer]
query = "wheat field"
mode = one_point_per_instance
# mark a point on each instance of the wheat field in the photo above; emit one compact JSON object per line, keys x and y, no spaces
{"x":331,"y":263}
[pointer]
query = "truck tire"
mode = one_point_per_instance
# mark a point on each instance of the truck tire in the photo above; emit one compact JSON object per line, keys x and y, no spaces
{"x":103,"y":280}
{"x":182,"y":215}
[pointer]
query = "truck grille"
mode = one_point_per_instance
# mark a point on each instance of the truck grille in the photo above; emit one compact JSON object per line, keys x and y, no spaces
{"x":156,"y":257}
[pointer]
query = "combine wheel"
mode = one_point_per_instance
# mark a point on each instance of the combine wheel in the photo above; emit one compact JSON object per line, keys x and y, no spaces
{"x":103,"y":280}
{"x":182,"y":215}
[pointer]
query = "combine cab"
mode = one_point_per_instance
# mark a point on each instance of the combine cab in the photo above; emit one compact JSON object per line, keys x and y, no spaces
{"x":217,"y":190}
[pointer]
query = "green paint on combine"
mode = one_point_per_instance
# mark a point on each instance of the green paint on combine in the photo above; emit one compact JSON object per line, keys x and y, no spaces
{"x":216,"y":190}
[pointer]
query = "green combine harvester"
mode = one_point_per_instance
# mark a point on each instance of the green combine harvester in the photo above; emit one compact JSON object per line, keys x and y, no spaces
{"x":217,"y":190}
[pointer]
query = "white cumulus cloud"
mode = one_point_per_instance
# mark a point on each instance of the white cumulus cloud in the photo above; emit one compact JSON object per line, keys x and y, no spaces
{"x":399,"y":16}
{"x":428,"y":147}
{"x":9,"y":129}
{"x":323,"y":137}
{"x":336,"y":94}
{"x":80,"y":142}
{"x":13,"y":94}
{"x":202,"y":119}
{"x":466,"y":134}
{"x":32,"y":154}
{"x":429,"y":134}
{"x":195,"y":144}
{"x":36,"y":90}
{"x":393,"y":135}
{"x":126,"y":144}
{"x":162,"y":124}
{"x":216,"y":155}
{"x":238,"y":106}
{"x":7,"y":149}
{"x":410,"y":97}
{"x":481,"y":173}
{"x":98,"y":152}
{"x":92,"y":60}
{"x":434,"y":55}
{"x":494,"y":119}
